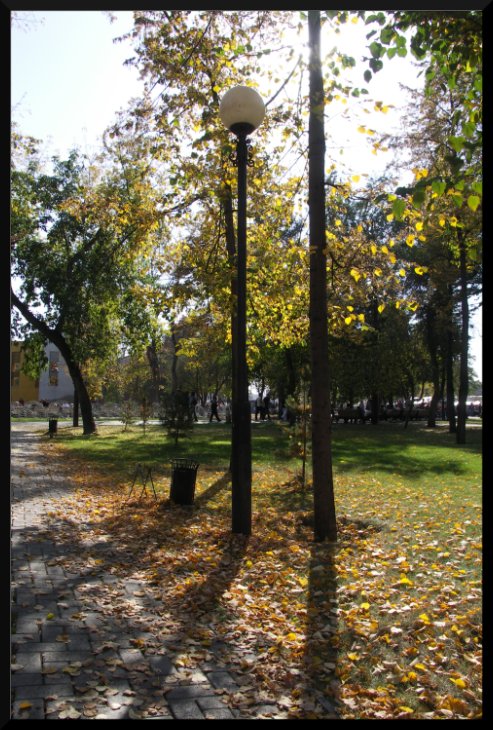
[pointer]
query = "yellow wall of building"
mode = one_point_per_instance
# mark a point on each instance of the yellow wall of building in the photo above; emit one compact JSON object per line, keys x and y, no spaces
{"x":22,"y":387}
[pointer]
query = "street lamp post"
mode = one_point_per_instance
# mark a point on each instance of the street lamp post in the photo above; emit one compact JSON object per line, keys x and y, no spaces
{"x":242,"y":111}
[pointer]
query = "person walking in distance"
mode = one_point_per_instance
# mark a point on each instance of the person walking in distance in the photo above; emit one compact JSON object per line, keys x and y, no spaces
{"x":214,"y":413}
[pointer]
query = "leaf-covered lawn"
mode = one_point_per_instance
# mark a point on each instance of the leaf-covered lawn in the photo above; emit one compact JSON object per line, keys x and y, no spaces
{"x":387,"y":624}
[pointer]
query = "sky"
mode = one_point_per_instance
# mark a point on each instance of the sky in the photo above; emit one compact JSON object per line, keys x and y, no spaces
{"x":68,"y":80}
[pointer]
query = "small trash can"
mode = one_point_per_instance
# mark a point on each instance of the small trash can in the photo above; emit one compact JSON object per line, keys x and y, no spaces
{"x":52,"y":426}
{"x":183,"y":476}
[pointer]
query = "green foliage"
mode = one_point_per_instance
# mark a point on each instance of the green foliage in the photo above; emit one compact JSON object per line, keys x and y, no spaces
{"x":175,"y":414}
{"x":128,"y":414}
{"x":34,"y":359}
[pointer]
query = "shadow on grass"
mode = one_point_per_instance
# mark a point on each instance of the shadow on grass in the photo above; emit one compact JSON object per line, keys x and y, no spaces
{"x":213,"y":490}
{"x":409,"y":452}
{"x":320,"y":694}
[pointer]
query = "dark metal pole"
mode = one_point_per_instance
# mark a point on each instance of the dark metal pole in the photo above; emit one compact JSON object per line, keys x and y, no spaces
{"x":241,"y":476}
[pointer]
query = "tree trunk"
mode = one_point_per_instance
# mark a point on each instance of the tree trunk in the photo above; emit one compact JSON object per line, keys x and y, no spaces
{"x":323,"y":487}
{"x":464,"y":349}
{"x":435,"y":371}
{"x":153,"y":360}
{"x":75,"y":414}
{"x":449,"y":366}
{"x":291,"y":380}
{"x":375,"y":408}
{"x":88,"y":423}
{"x":174,"y":361}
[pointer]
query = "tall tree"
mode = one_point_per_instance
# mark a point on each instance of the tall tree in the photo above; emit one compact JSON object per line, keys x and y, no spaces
{"x":76,"y":236}
{"x":444,"y":204}
{"x":323,"y":487}
{"x":448,"y":47}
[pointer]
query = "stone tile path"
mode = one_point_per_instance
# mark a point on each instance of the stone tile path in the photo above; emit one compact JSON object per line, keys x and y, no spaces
{"x":71,"y":662}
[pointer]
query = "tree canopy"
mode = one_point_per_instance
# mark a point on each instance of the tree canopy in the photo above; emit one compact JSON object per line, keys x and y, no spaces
{"x":159,"y":209}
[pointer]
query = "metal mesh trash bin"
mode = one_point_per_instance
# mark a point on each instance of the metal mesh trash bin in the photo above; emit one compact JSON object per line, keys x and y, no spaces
{"x":52,"y":426}
{"x":183,"y":476}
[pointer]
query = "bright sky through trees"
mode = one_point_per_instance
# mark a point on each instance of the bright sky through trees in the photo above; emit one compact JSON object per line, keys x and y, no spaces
{"x":69,"y":80}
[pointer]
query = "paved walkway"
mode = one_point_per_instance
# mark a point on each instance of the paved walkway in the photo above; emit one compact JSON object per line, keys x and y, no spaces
{"x":70,"y":659}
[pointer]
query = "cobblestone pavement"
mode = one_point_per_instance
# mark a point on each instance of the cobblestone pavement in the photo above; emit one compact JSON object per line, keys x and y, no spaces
{"x":71,"y":662}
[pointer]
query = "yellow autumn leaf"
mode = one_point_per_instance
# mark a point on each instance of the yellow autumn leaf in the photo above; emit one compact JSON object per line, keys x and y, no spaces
{"x":355,"y":274}
{"x":424,"y":618}
{"x":378,"y":271}
{"x":420,"y":666}
{"x":362,"y":129}
{"x":419,"y":226}
{"x":355,"y":178}
{"x":365,"y":606}
{"x":405,"y":709}
{"x":402,"y":272}
{"x":350,"y":308}
{"x":353,"y":656}
{"x":384,"y":249}
{"x":348,"y":320}
{"x":458,"y":682}
{"x":381,"y":307}
{"x":50,"y":615}
{"x":390,"y":217}
{"x":291,"y":636}
{"x":338,"y":222}
{"x":373,"y":249}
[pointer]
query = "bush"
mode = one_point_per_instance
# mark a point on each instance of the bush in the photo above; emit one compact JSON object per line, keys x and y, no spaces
{"x":175,"y":414}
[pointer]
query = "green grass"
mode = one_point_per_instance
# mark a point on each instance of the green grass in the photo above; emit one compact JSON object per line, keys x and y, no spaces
{"x":209,"y":444}
{"x":380,"y":473}
{"x":416,"y":453}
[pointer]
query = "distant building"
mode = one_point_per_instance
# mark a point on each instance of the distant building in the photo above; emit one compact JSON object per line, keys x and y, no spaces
{"x":22,"y":387}
{"x":54,"y":384}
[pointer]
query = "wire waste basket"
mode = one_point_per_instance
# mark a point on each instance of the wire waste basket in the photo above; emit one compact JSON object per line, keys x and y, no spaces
{"x":183,"y":477}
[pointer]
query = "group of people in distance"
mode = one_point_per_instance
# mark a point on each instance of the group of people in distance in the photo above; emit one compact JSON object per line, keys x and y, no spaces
{"x":262,"y":407}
